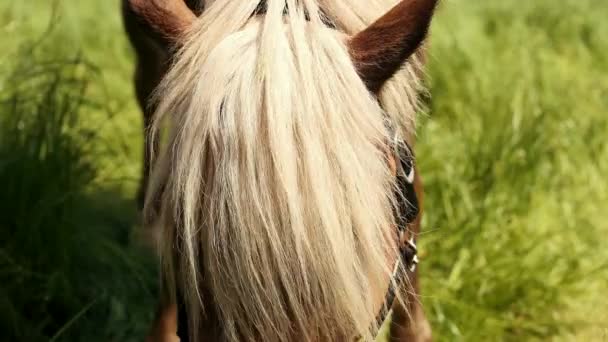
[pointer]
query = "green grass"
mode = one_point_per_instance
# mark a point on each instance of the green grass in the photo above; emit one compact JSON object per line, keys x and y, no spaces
{"x":68,"y":270}
{"x":513,"y":154}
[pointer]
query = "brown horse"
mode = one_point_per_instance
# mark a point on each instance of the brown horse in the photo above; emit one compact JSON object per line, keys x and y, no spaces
{"x":386,"y":56}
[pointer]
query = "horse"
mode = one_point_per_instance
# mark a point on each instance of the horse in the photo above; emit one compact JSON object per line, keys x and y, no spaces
{"x":285,"y":191}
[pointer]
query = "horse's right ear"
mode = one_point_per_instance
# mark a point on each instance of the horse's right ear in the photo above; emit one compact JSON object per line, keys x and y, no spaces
{"x":380,"y":50}
{"x":168,"y":18}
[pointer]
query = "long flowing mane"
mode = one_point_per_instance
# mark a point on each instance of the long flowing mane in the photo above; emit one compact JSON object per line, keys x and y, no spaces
{"x":273,"y":191}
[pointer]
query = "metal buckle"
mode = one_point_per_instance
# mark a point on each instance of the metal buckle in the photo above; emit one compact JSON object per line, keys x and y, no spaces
{"x":411,"y":243}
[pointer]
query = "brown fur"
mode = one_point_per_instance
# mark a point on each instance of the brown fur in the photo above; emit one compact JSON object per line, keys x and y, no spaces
{"x":152,"y":50}
{"x":169,"y":19}
{"x":382,"y":48}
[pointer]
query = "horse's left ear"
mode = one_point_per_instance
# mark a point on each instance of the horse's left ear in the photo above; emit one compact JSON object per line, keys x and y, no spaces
{"x":168,"y":18}
{"x":380,"y":50}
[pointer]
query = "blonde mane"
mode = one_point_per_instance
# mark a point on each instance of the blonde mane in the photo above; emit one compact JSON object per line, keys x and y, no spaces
{"x":273,"y":191}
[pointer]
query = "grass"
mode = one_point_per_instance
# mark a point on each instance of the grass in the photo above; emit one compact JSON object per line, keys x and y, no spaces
{"x":67,"y":267}
{"x":513,"y":155}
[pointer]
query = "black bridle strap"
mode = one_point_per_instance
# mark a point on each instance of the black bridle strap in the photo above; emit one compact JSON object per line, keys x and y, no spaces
{"x":406,"y":212}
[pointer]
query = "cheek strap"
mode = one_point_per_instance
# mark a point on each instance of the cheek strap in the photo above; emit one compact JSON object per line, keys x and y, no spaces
{"x":406,"y":212}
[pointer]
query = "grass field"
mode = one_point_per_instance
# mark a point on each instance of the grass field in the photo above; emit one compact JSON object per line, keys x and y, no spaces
{"x":513,"y":154}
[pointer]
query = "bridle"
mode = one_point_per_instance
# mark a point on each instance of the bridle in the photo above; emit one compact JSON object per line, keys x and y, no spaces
{"x":406,"y":212}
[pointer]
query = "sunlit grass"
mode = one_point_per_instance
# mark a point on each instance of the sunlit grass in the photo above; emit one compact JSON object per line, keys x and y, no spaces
{"x":513,"y":157}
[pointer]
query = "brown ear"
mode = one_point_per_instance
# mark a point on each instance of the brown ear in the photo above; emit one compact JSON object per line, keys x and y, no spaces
{"x":167,"y":18}
{"x":380,"y":50}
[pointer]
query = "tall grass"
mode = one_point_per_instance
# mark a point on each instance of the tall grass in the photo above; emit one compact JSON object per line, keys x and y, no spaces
{"x":67,"y":267}
{"x":513,"y":156}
